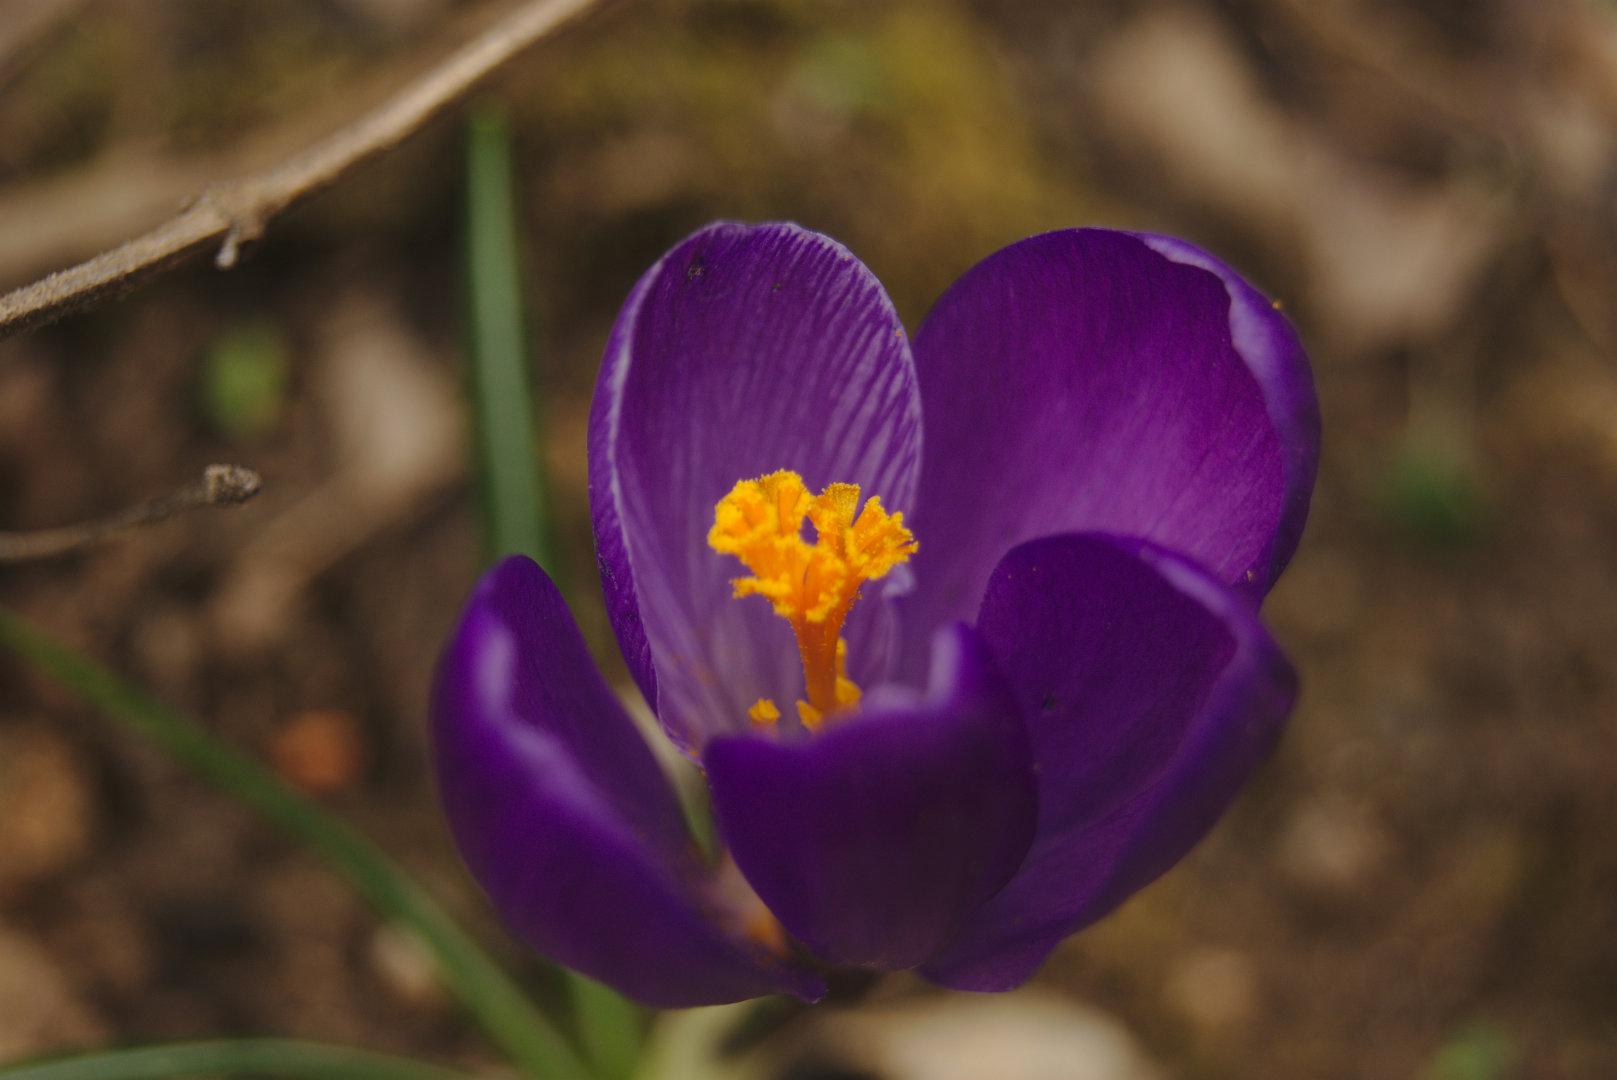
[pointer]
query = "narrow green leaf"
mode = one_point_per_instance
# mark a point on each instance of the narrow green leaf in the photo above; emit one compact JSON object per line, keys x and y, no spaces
{"x":508,"y":1017}
{"x":288,"y":1058}
{"x":610,"y":1028}
{"x":507,"y":453}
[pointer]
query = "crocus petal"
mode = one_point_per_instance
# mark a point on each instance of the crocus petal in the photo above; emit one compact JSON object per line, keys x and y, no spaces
{"x":1150,"y":692}
{"x":1267,"y":343}
{"x":564,"y":817}
{"x":742,"y":351}
{"x":873,"y":840}
{"x":1096,"y":380}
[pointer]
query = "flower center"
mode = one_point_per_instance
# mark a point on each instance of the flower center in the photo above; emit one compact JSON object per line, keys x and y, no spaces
{"x":812,"y":586}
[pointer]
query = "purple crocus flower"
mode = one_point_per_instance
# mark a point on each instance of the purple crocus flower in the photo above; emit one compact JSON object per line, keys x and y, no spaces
{"x":1009,"y":574}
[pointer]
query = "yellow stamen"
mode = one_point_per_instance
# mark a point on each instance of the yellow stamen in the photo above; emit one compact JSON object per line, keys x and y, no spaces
{"x":812,"y":585}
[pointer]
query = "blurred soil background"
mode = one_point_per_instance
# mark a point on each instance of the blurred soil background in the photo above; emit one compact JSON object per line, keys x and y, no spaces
{"x":1422,"y":884}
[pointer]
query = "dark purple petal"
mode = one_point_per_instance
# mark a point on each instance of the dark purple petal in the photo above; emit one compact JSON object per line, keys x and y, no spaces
{"x":1151,"y":692}
{"x":873,"y":840}
{"x":742,"y":351}
{"x":1096,"y":380}
{"x":564,"y":817}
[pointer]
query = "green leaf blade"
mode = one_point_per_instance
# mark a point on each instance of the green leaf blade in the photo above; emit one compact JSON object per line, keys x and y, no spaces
{"x":610,"y":1027}
{"x":507,"y":450}
{"x":505,"y":1013}
{"x":291,"y":1058}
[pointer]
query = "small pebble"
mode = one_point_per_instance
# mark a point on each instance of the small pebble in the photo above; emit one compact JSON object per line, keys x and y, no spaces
{"x":320,"y":751}
{"x":47,"y":809}
{"x":1215,"y":989}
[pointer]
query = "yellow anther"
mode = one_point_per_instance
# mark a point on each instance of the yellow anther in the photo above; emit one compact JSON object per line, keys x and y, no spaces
{"x":847,"y":692}
{"x":810,"y":717}
{"x":811,"y":584}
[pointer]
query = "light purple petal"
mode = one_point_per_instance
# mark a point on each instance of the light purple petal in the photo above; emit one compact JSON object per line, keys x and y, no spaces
{"x":1151,"y":692}
{"x":564,"y":817}
{"x":873,"y":840}
{"x":744,"y":350}
{"x":1097,"y":380}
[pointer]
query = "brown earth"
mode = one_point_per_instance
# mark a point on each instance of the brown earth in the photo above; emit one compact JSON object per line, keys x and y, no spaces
{"x":1420,"y":885}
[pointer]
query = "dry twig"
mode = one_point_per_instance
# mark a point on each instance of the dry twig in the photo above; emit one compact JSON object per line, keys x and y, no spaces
{"x":221,"y":485}
{"x":236,"y":213}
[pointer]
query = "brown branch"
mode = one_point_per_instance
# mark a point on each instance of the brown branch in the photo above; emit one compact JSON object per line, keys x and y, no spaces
{"x":221,"y":485}
{"x":236,"y":213}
